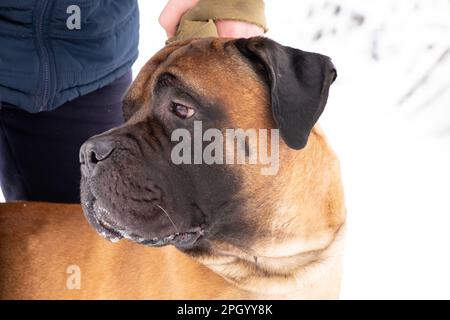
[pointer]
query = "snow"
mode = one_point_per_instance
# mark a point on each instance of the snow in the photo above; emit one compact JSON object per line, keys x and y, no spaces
{"x":388,"y":118}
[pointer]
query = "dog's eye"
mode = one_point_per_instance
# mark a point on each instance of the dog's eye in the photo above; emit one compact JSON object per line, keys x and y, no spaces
{"x":182,"y":111}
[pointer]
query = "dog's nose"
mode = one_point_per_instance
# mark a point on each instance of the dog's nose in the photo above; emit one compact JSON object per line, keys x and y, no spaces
{"x":94,"y":151}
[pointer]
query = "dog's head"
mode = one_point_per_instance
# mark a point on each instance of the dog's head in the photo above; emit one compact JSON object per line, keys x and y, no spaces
{"x":132,"y":187}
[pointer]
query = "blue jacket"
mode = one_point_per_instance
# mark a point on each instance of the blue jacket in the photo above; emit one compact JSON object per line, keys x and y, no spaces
{"x":52,"y":52}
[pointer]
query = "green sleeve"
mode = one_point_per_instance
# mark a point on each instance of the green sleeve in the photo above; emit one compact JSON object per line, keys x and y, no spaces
{"x":198,"y":22}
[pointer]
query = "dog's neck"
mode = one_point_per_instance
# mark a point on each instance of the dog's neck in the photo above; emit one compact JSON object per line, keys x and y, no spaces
{"x":307,"y":275}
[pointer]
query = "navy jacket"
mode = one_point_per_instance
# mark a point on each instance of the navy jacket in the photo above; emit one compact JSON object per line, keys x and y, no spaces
{"x":46,"y":59}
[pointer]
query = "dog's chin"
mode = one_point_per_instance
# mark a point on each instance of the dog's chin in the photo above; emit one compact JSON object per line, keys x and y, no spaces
{"x":93,"y":212}
{"x":98,"y":218}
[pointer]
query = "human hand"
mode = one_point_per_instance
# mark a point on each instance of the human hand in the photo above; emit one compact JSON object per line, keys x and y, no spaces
{"x":238,"y":29}
{"x":171,"y":15}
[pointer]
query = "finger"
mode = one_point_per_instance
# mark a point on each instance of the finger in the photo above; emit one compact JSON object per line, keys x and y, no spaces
{"x":238,"y":29}
{"x":172,"y":13}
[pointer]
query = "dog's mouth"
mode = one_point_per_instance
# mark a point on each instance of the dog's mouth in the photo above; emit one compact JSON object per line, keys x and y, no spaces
{"x":180,"y":239}
{"x":98,"y":218}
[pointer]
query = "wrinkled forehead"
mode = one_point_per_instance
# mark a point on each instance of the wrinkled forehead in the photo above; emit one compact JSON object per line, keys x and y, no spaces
{"x":212,"y":67}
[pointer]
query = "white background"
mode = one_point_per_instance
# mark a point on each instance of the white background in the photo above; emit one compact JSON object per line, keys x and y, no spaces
{"x":388,"y":118}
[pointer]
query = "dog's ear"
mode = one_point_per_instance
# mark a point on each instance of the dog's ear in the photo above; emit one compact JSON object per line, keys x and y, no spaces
{"x":299,"y":82}
{"x":139,"y":90}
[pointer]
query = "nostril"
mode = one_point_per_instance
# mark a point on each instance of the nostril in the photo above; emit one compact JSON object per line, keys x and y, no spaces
{"x":96,"y":150}
{"x":93,"y":158}
{"x":101,"y":150}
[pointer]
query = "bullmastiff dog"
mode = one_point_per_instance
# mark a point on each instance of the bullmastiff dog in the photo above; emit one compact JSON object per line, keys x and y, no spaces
{"x":194,"y":231}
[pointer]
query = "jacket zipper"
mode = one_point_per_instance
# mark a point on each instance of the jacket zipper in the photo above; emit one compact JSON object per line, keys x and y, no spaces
{"x":44,"y":55}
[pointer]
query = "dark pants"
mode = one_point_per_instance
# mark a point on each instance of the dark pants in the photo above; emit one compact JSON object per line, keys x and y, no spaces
{"x":39,"y":152}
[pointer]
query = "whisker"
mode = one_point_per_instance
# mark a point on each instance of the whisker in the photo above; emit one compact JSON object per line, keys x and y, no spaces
{"x":168,"y":216}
